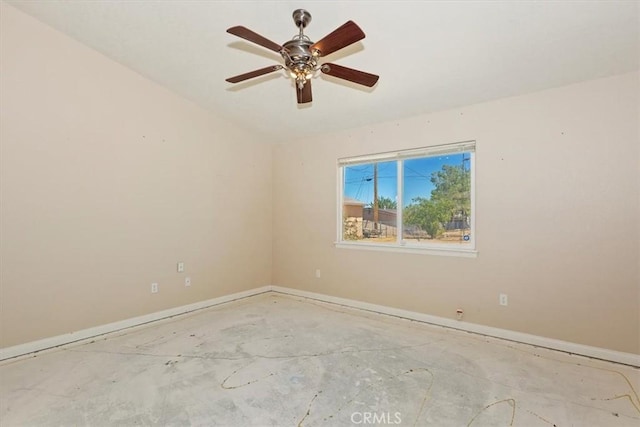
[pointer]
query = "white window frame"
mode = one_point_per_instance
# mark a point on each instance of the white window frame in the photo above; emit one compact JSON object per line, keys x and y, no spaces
{"x":401,"y":245}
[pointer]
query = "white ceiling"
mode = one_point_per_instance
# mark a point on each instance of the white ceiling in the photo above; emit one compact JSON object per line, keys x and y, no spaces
{"x":430,"y":55}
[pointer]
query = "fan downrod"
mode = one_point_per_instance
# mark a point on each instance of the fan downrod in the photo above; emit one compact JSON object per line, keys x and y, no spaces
{"x":301,"y":17}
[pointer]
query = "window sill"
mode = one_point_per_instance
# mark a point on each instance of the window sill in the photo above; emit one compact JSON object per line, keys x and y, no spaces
{"x":454,"y":252}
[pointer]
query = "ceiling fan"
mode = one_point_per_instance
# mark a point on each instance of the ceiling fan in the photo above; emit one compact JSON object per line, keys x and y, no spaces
{"x":301,"y":55}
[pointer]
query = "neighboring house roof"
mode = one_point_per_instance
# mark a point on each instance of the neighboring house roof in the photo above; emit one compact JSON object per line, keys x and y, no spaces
{"x":351,"y":201}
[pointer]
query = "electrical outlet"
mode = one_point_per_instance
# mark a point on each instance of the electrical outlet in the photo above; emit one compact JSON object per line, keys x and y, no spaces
{"x":503,"y":299}
{"x":187,"y":281}
{"x":180,"y":267}
{"x":154,"y":288}
{"x":317,"y":273}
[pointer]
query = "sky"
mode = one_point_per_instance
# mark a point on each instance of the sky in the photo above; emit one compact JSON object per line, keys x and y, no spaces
{"x":358,"y":179}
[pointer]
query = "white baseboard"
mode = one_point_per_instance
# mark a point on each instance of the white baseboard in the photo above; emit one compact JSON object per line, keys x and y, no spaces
{"x":84,"y":334}
{"x":550,"y":343}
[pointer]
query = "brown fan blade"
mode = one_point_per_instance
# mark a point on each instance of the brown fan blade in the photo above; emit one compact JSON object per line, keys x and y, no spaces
{"x":341,"y":37}
{"x":255,"y":73}
{"x":256,"y":38}
{"x":304,"y":94}
{"x":350,"y":74}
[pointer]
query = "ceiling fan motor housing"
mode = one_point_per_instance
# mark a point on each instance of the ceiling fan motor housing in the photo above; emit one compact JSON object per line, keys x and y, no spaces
{"x":298,"y":56}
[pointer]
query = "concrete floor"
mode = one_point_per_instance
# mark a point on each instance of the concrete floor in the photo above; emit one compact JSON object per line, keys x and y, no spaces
{"x":285,"y":361}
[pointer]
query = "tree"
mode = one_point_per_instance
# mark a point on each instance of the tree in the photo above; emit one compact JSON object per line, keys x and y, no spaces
{"x":449,"y":199}
{"x":387,"y":203}
{"x":453,"y":183}
{"x":384,"y":203}
{"x":429,"y":215}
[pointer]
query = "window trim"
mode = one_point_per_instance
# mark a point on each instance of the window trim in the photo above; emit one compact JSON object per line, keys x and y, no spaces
{"x":401,"y":245}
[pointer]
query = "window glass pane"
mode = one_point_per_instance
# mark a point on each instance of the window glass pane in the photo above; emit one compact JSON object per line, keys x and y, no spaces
{"x":436,"y":200}
{"x":369,"y":211}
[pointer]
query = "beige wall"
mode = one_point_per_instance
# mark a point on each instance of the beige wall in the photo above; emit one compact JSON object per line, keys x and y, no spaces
{"x":557,"y":216}
{"x":107,"y":180}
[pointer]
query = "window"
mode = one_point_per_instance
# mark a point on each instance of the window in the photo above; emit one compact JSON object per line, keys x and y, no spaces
{"x":419,"y":200}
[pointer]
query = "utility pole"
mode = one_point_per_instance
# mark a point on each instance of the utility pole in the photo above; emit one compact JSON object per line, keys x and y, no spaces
{"x":375,"y":196}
